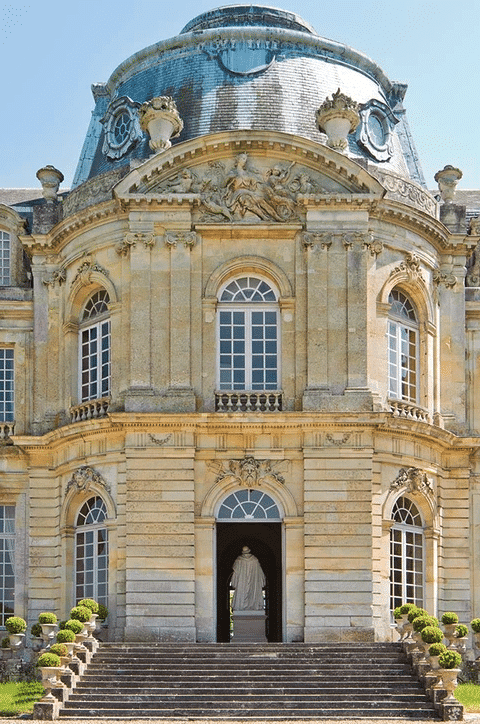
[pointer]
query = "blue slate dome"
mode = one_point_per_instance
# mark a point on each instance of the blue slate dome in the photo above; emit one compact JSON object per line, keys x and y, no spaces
{"x":247,"y":67}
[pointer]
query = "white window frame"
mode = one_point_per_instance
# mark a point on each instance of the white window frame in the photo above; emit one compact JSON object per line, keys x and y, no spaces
{"x":7,"y":384}
{"x":7,"y":562}
{"x":95,"y":373}
{"x":409,"y":585}
{"x":98,"y":590}
{"x":248,"y":309}
{"x":403,"y":365}
{"x":5,"y":259}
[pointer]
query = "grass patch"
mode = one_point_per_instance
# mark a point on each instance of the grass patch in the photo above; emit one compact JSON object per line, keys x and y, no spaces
{"x":19,"y":697}
{"x":469,"y":695}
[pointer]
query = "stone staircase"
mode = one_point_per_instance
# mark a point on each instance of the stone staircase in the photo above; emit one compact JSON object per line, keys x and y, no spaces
{"x":242,"y":681}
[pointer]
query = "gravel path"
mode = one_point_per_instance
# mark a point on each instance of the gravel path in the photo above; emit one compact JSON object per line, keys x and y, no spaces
{"x":469,"y":718}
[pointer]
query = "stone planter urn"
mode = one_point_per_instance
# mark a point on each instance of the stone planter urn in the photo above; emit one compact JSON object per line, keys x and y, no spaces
{"x":450,"y":633}
{"x":447,"y":180}
{"x":91,"y":626}
{"x":160,"y":119}
{"x":16,"y":640}
{"x":50,"y":178}
{"x":337,"y":117}
{"x":48,"y":632}
{"x":50,"y":680}
{"x":400,"y":626}
{"x":449,"y":682}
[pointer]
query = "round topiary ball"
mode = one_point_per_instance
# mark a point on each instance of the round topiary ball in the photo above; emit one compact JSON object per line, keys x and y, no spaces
{"x":47,"y":617}
{"x":15,"y":625}
{"x":449,"y":617}
{"x":81,"y":613}
{"x":450,"y":660}
{"x":73,"y":625}
{"x":49,"y":659}
{"x":66,"y":636}
{"x":89,"y":603}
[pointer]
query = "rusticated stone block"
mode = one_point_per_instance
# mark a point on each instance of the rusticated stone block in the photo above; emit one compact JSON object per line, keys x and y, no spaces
{"x":47,"y":710}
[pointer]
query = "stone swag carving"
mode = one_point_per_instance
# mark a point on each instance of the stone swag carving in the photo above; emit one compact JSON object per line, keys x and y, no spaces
{"x":247,"y":472}
{"x":415,"y":480}
{"x":84,"y":478}
{"x":243,"y":192}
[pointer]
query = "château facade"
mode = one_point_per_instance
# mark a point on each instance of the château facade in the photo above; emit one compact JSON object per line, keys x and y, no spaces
{"x":249,"y":322}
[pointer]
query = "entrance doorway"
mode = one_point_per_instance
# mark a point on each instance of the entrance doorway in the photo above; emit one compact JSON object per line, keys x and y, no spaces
{"x":265,"y":541}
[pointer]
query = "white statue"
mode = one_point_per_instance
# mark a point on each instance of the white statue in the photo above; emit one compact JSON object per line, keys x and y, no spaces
{"x":248,"y":581}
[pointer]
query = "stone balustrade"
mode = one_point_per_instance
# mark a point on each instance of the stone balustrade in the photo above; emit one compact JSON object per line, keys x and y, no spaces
{"x":248,"y":401}
{"x":409,"y":411}
{"x":90,"y":410}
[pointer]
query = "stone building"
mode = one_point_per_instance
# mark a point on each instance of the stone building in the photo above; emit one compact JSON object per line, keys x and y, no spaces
{"x":249,"y":322}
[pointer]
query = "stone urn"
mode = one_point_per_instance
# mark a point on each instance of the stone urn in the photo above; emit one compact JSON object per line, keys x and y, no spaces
{"x":48,"y":632}
{"x":50,"y":178}
{"x":400,"y":626}
{"x":337,"y":117}
{"x":447,"y":180}
{"x":91,"y":626}
{"x":160,"y":119}
{"x":449,"y":682}
{"x":50,"y":680}
{"x":16,"y":640}
{"x":450,"y":629}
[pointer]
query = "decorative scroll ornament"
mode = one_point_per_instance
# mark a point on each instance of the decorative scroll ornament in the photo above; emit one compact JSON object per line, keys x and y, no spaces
{"x":122,"y":128}
{"x":243,"y":192}
{"x":56,"y":277}
{"x":414,"y":479}
{"x":449,"y":280}
{"x":131,"y":240}
{"x":473,"y":271}
{"x":474,"y":226}
{"x":410,"y":267}
{"x":374,"y":133}
{"x":375,"y":246}
{"x":337,"y":117}
{"x":160,"y":119}
{"x":84,"y":273}
{"x":84,"y":478}
{"x":248,"y":471}
{"x":187,"y":238}
{"x":310,"y":238}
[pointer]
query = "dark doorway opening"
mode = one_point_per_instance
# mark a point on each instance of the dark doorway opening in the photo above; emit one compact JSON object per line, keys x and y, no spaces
{"x":265,"y":542}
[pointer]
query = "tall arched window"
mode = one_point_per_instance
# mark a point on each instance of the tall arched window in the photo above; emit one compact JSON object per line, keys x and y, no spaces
{"x":402,"y":348}
{"x":91,"y":552}
{"x":248,"y":336}
{"x":94,"y":347}
{"x":406,"y":554}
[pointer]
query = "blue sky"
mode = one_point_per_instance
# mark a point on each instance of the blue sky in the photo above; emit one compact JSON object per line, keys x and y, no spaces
{"x":52,"y":51}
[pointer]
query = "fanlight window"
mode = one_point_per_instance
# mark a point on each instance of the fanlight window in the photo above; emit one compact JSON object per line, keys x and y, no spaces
{"x":406,"y":554}
{"x":249,"y":505}
{"x":248,"y":332}
{"x":95,"y":353}
{"x":91,"y":552}
{"x":402,"y":349}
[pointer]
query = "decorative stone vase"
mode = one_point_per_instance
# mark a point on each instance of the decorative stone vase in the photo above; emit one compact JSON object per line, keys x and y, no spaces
{"x":80,"y":638}
{"x":16,"y":640}
{"x":447,"y":180}
{"x":337,"y":117}
{"x":50,"y":178}
{"x":48,"y":632}
{"x":160,"y":119}
{"x":400,"y":626}
{"x":476,"y":638}
{"x":450,"y":629}
{"x":91,"y":626}
{"x":50,"y":680}
{"x":460,"y":643}
{"x":449,"y":682}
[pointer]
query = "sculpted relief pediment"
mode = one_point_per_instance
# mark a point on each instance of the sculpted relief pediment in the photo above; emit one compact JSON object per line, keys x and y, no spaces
{"x":244,"y":184}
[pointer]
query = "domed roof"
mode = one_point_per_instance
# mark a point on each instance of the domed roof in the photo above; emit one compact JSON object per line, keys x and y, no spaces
{"x":249,"y":67}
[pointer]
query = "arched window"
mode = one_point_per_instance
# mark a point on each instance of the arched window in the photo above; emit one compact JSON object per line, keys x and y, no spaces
{"x":406,"y":554}
{"x":5,"y":259}
{"x":94,"y":347}
{"x":249,"y":505}
{"x":402,"y":348}
{"x":248,"y":336}
{"x":91,"y":552}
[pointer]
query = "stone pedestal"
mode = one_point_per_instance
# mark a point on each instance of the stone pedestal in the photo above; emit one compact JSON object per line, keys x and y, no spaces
{"x":249,"y":626}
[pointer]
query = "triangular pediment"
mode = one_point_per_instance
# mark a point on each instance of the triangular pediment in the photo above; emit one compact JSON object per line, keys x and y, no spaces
{"x":248,"y":176}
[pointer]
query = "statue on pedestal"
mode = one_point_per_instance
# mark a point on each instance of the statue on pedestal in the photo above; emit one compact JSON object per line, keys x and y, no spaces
{"x":248,"y":580}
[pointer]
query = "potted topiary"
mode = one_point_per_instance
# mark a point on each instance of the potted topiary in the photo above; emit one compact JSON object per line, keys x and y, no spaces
{"x":6,"y":650}
{"x":78,"y":629}
{"x":434,"y":651}
{"x":50,"y":666}
{"x":62,"y":651}
{"x":16,"y":628}
{"x":461,"y":638}
{"x":450,"y":663}
{"x":449,"y":620}
{"x":475,"y":624}
{"x":48,"y":622}
{"x":67,"y":638}
{"x":92,"y":606}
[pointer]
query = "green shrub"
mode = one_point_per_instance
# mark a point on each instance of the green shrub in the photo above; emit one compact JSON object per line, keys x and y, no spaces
{"x":36,"y":630}
{"x":461,"y":631}
{"x":102,"y":612}
{"x":15,"y":625}
{"x":413,"y":613}
{"x":397,"y":613}
{"x":73,"y":625}
{"x":48,"y":660}
{"x":437,"y":649}
{"x":449,"y":617}
{"x":66,"y":636}
{"x":47,"y":618}
{"x":420,"y":622}
{"x":450,"y":660}
{"x":432,"y":635}
{"x":58,"y":649}
{"x":5,"y":642}
{"x":89,"y":603}
{"x":475,"y":624}
{"x":80,"y":613}
{"x":407,"y":607}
